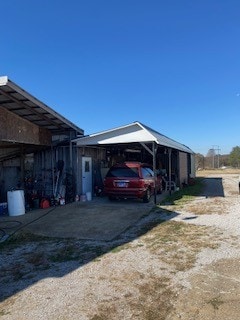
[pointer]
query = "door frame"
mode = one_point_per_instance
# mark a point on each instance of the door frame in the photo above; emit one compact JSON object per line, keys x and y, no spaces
{"x":89,"y":186}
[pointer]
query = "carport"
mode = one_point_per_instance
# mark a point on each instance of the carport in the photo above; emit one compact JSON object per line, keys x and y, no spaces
{"x":134,"y":139}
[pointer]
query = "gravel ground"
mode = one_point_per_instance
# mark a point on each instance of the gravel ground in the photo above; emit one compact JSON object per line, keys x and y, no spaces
{"x":135,"y":277}
{"x":211,"y":290}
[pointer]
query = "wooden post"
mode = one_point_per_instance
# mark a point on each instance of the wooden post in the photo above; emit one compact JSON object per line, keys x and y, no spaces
{"x":154,"y":150}
{"x":22,"y":167}
{"x":170,"y":169}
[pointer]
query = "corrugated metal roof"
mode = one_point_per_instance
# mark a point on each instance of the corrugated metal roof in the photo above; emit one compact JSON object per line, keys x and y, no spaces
{"x":133,"y":132}
{"x":16,"y":100}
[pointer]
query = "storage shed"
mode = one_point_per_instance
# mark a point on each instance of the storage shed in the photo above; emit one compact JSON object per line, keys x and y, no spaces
{"x":36,"y":151}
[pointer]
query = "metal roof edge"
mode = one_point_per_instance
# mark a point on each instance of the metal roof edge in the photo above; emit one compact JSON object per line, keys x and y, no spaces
{"x":145,"y":128}
{"x":105,"y":131}
{"x":109,"y":130}
{"x":179,"y":146}
{"x":148,"y":128}
{"x":4,"y":80}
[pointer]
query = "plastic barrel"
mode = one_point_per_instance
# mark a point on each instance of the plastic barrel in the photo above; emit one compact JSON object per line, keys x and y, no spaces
{"x":16,"y":202}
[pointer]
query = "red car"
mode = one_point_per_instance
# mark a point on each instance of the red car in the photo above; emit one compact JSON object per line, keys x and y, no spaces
{"x":131,"y":180}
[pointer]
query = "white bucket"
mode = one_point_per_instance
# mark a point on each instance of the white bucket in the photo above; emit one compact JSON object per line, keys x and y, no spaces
{"x":89,"y":196}
{"x":16,"y":202}
{"x":83,"y":198}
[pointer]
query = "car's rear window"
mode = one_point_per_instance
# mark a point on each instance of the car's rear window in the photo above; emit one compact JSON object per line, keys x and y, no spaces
{"x":123,"y":172}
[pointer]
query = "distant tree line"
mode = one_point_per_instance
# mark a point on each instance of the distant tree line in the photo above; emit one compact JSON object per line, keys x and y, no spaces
{"x":215,"y":160}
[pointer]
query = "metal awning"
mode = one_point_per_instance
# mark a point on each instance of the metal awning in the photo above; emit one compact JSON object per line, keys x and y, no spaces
{"x":131,"y":133}
{"x":18,"y":101}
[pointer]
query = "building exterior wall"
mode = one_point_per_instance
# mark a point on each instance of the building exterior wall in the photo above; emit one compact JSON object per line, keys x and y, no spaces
{"x":193,"y":167}
{"x":183,"y":168}
{"x":9,"y":178}
{"x":54,"y":174}
{"x":42,"y":175}
{"x":99,"y":166}
{"x":16,"y":129}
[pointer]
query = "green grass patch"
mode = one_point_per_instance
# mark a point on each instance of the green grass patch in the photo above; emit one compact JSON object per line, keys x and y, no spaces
{"x":185,"y":195}
{"x":22,"y":238}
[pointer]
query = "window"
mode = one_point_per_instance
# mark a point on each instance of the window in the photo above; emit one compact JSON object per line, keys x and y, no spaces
{"x":123,"y":172}
{"x":87,"y":166}
{"x":147,"y":172}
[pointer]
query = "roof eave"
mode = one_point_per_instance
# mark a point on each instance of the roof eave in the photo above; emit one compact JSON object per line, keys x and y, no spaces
{"x":5,"y":81}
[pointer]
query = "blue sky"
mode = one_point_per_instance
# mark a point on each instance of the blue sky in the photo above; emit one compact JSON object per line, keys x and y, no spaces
{"x":172,"y":65}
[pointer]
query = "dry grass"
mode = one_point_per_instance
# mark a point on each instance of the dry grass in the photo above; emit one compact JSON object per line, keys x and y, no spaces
{"x":215,"y":205}
{"x":178,"y":243}
{"x":216,"y":302}
{"x":153,"y":302}
{"x":203,"y":204}
{"x":205,"y":173}
{"x":175,"y":245}
{"x":155,"y":299}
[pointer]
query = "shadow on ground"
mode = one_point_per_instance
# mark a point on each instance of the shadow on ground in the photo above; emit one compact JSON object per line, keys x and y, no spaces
{"x":213,"y":187}
{"x":43,"y":248}
{"x":54,"y":242}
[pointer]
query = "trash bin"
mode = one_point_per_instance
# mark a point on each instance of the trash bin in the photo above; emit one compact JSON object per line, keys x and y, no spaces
{"x":16,"y":202}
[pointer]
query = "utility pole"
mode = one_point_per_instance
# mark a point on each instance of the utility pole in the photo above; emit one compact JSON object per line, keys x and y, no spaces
{"x":216,"y":148}
{"x":213,"y":154}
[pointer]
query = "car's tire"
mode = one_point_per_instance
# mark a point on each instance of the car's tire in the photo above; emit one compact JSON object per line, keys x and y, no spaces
{"x":147,"y":196}
{"x":111,"y":198}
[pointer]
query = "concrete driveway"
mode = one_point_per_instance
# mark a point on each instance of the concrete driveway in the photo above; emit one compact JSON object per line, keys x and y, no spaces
{"x":99,"y":219}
